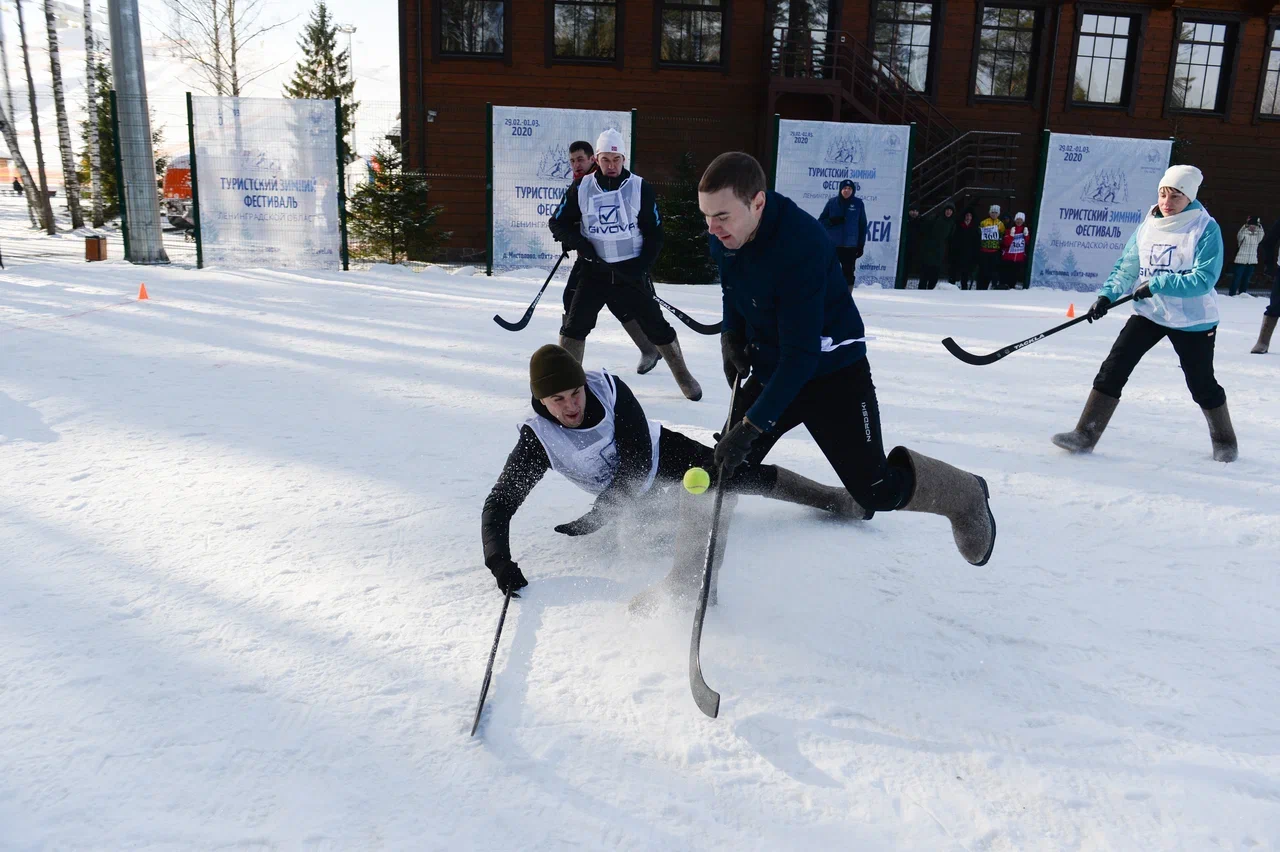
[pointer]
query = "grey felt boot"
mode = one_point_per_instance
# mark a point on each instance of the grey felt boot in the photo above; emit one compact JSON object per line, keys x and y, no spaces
{"x":1098,"y":409}
{"x":791,"y":487}
{"x":1221,"y":433}
{"x":959,"y":496}
{"x":675,"y":360}
{"x":573,"y":346}
{"x":1264,"y":336}
{"x":649,"y":354}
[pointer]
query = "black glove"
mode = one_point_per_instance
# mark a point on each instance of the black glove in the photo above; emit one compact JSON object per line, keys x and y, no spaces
{"x":732,"y":449}
{"x":587,"y":524}
{"x":733,"y":352}
{"x":508,"y":575}
{"x":1143,"y":292}
{"x":1099,"y":309}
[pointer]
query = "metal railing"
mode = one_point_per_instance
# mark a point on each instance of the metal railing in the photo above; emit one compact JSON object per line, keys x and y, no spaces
{"x":976,"y":162}
{"x":951,"y":162}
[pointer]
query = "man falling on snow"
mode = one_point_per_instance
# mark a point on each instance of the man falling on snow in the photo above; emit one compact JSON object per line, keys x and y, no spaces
{"x":589,"y":427}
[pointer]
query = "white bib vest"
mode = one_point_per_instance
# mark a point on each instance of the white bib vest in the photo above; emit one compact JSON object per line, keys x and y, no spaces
{"x":609,"y":218}
{"x":589,"y":457}
{"x":1168,"y":245}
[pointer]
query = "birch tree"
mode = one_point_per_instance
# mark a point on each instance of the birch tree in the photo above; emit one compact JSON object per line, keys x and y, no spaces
{"x":43,"y":207}
{"x":70,"y":181}
{"x":91,"y":94}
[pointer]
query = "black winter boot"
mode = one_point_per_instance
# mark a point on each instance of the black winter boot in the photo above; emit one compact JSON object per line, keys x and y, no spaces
{"x":1221,"y":433}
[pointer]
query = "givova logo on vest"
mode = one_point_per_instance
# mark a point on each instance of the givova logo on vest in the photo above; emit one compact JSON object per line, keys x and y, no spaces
{"x":609,"y":217}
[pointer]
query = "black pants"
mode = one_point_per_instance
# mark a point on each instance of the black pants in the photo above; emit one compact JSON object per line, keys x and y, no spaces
{"x":1010,"y":273}
{"x":848,"y":256}
{"x":631,"y":298}
{"x":842,"y":415}
{"x":962,"y":273}
{"x":1195,"y":352}
{"x":571,"y":287}
{"x":988,"y":269}
{"x":929,"y":274}
{"x":1273,"y":309}
{"x":677,"y":453}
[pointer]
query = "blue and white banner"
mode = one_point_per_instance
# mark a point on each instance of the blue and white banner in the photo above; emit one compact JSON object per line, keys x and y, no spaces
{"x":1097,"y":190}
{"x":531,"y":173}
{"x":267,"y":174}
{"x":814,"y":156}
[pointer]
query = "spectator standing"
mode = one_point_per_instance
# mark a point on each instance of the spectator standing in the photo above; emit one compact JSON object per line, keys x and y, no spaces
{"x":1249,"y":238}
{"x":1013,"y":258}
{"x":966,"y":240}
{"x":935,"y":232}
{"x":845,"y":218}
{"x":989,"y":253}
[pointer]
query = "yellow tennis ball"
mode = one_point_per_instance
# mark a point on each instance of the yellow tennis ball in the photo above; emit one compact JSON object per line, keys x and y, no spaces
{"x":696,"y":480}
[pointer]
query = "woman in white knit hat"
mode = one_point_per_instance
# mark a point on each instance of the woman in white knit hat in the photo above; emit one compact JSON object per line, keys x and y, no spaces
{"x":1171,"y":264}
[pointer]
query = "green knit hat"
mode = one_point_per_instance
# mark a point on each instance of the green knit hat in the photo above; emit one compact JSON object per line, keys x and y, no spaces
{"x":553,"y":370}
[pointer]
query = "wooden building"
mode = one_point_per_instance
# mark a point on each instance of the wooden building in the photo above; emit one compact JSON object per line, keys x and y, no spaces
{"x":980,"y":79}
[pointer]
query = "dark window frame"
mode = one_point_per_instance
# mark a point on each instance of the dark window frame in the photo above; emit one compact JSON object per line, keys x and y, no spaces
{"x":1273,"y":25}
{"x":1235,"y":22}
{"x":438,"y":53}
{"x":1140,"y":15}
{"x":726,"y":17}
{"x":1035,"y":78}
{"x":615,"y":62}
{"x":930,"y":90}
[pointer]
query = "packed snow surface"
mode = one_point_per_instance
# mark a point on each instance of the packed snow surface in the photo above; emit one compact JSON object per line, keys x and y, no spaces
{"x":242,"y":603}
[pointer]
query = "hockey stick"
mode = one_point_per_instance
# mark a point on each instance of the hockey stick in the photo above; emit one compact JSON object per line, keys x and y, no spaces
{"x":701,"y":328}
{"x":488,"y":672}
{"x":707,"y":699}
{"x":980,"y":360}
{"x":528,"y":314}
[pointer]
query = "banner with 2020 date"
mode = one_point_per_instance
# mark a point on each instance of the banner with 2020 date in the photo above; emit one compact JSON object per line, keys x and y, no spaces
{"x":531,"y":173}
{"x":814,"y":156}
{"x":267,"y":178}
{"x":1097,"y":190}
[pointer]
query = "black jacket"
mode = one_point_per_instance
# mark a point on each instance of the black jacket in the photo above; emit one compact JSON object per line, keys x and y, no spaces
{"x":528,"y":462}
{"x":566,"y":225}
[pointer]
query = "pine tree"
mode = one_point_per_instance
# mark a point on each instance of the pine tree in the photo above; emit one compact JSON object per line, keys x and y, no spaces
{"x":324,"y":73}
{"x":390,"y":217}
{"x":106,"y":141}
{"x":685,"y":258}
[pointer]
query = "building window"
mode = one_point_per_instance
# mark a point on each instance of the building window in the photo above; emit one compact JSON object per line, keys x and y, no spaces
{"x":1105,"y":59}
{"x":1006,"y":52}
{"x":902,"y":34}
{"x":585,"y":29}
{"x":472,"y":27}
{"x":691,"y":31}
{"x":1270,"y":102}
{"x":1200,"y":66}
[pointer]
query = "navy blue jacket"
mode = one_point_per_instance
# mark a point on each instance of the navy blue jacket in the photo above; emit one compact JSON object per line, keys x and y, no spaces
{"x":785,"y":293}
{"x":846,"y":221}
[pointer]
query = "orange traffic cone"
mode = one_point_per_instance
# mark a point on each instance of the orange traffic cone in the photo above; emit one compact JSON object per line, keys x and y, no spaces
{"x":142,"y":292}
{"x":1071,"y":310}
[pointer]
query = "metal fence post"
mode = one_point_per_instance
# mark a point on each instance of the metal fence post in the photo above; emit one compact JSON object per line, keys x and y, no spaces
{"x":195,"y":183}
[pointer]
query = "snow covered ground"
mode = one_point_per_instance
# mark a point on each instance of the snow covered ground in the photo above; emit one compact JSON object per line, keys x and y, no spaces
{"x":242,"y":602}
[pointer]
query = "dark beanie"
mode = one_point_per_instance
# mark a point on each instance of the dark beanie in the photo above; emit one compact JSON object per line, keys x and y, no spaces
{"x":553,"y":370}
{"x":850,"y":184}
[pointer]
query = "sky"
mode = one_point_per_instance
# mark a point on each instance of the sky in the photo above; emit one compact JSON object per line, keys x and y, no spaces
{"x":374,"y":45}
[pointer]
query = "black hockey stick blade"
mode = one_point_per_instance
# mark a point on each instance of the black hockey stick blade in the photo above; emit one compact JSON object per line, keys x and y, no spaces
{"x":700,"y":327}
{"x":990,"y":358}
{"x":488,"y":672}
{"x":528,"y":314}
{"x":707,"y":699}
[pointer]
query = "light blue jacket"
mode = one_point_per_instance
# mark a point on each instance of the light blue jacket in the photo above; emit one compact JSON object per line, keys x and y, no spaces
{"x":1202,"y":278}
